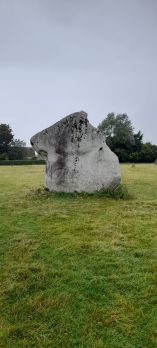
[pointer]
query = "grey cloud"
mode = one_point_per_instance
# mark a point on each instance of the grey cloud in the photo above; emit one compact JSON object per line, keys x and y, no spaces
{"x":58,"y":56}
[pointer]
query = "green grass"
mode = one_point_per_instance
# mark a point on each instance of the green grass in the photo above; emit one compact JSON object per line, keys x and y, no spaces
{"x":78,"y":270}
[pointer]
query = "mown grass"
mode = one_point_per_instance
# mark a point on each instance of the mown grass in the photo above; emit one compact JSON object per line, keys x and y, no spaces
{"x":78,"y":271}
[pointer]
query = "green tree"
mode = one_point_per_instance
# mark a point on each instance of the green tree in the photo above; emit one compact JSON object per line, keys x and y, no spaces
{"x":123,"y":131}
{"x":6,"y":137}
{"x":108,"y":125}
{"x":127,"y":145}
{"x":10,"y":148}
{"x":138,"y":137}
{"x":148,"y":153}
{"x":19,"y":143}
{"x":118,"y":130}
{"x":119,"y":134}
{"x":18,"y":150}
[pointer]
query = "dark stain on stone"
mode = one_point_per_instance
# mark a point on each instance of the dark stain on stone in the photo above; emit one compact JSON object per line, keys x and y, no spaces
{"x":76,"y":160}
{"x":75,"y":125}
{"x":86,"y":122}
{"x":81,"y":122}
{"x":60,"y":148}
{"x":86,"y":126}
{"x":79,"y":138}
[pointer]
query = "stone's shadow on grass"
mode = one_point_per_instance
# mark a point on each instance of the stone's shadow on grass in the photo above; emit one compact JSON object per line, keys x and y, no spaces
{"x":120,"y":192}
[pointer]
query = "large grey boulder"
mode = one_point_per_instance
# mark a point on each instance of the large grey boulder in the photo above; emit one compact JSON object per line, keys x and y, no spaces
{"x":77,"y":157}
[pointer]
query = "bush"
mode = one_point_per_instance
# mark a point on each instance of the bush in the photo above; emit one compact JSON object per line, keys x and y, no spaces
{"x":3,"y":156}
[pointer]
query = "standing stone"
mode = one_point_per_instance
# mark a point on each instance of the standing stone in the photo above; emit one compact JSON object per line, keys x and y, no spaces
{"x":77,"y":157}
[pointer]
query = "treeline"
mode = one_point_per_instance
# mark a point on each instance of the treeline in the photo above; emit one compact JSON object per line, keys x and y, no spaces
{"x":11,"y":148}
{"x":120,"y":137}
{"x":127,"y":144}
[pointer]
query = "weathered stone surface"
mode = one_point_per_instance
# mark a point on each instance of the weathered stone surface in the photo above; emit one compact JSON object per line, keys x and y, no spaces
{"x":77,"y":156}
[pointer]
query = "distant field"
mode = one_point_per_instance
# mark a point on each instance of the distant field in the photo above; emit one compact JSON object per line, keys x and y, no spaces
{"x":78,"y":271}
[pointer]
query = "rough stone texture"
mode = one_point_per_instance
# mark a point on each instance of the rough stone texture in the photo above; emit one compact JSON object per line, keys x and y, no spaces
{"x":77,"y":156}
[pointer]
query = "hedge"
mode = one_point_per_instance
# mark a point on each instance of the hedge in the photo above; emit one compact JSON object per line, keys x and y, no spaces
{"x":20,"y":162}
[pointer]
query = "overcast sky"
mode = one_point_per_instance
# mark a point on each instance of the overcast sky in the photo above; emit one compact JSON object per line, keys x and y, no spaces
{"x":62,"y":56}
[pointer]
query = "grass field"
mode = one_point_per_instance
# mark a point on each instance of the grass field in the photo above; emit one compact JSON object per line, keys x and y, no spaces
{"x":78,"y":271}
